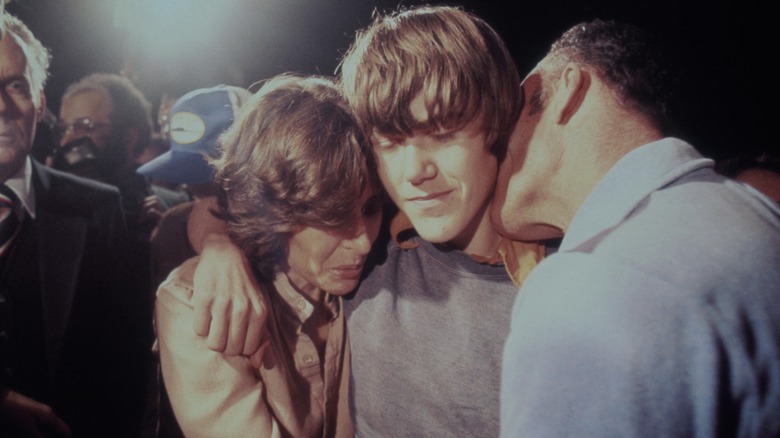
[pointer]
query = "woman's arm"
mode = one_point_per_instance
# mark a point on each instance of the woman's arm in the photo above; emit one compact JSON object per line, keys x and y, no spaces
{"x":212,"y":394}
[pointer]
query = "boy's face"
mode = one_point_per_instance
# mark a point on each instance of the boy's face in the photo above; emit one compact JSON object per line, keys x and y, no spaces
{"x":443,"y":180}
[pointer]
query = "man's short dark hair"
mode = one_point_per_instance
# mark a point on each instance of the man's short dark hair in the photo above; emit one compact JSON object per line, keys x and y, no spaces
{"x":626,"y":57}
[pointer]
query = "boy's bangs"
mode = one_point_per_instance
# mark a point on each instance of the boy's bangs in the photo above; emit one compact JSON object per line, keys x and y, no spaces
{"x":451,"y":99}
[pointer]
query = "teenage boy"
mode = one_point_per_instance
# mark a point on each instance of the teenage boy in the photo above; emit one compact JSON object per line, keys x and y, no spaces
{"x":439,"y":94}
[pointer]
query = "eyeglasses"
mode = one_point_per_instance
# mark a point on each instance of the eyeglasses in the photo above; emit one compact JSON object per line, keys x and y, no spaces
{"x":81,"y":127}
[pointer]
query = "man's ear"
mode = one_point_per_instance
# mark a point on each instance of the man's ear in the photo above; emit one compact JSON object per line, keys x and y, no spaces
{"x":41,"y":108}
{"x":573,"y":86}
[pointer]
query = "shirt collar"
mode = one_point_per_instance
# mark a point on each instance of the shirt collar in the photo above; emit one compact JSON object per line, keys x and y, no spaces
{"x":21,"y":185}
{"x":519,"y":258}
{"x":296,"y":302}
{"x":637,"y":174}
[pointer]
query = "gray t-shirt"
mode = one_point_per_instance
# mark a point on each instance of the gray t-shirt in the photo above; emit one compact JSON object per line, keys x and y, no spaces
{"x":427,"y":329}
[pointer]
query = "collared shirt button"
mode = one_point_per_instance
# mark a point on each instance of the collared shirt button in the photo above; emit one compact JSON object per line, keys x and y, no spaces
{"x":308,"y":359}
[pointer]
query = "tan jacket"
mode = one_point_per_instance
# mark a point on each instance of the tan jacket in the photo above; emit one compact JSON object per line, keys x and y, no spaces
{"x":290,"y":394}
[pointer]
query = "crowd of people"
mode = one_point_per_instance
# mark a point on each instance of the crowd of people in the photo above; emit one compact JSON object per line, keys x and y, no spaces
{"x":426,"y":244}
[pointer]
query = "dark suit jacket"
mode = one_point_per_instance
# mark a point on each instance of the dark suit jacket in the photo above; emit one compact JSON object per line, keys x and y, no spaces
{"x":96,"y":311}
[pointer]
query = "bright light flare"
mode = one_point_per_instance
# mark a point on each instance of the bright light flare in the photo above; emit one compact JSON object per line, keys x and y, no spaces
{"x":170,"y":29}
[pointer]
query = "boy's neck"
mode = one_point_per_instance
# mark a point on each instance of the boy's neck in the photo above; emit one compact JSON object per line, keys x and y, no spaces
{"x":480,"y":238}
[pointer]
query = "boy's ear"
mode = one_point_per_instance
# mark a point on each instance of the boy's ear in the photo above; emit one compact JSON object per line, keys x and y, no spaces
{"x":531,"y":86}
{"x":573,"y":86}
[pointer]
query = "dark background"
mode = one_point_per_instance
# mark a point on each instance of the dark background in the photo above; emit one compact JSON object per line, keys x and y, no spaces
{"x":724,"y":51}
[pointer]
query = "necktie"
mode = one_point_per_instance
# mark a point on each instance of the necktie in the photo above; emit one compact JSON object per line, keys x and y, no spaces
{"x":9,"y":222}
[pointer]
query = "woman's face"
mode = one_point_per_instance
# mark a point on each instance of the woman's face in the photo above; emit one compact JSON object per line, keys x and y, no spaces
{"x":326,"y":260}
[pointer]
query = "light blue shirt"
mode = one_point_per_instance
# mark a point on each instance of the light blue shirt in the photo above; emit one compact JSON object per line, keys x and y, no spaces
{"x":659,"y":315}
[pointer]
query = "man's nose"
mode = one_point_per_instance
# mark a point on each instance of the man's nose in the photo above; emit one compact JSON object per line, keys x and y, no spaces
{"x":5,"y":103}
{"x":67,"y":135}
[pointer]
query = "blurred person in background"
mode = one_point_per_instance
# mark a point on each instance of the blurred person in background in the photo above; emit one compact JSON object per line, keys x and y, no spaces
{"x":760,"y":172}
{"x":196,"y":121}
{"x":194,"y":124}
{"x":104,"y":124}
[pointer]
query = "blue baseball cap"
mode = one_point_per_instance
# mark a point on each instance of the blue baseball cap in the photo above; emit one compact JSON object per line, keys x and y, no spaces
{"x":197,"y":120}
